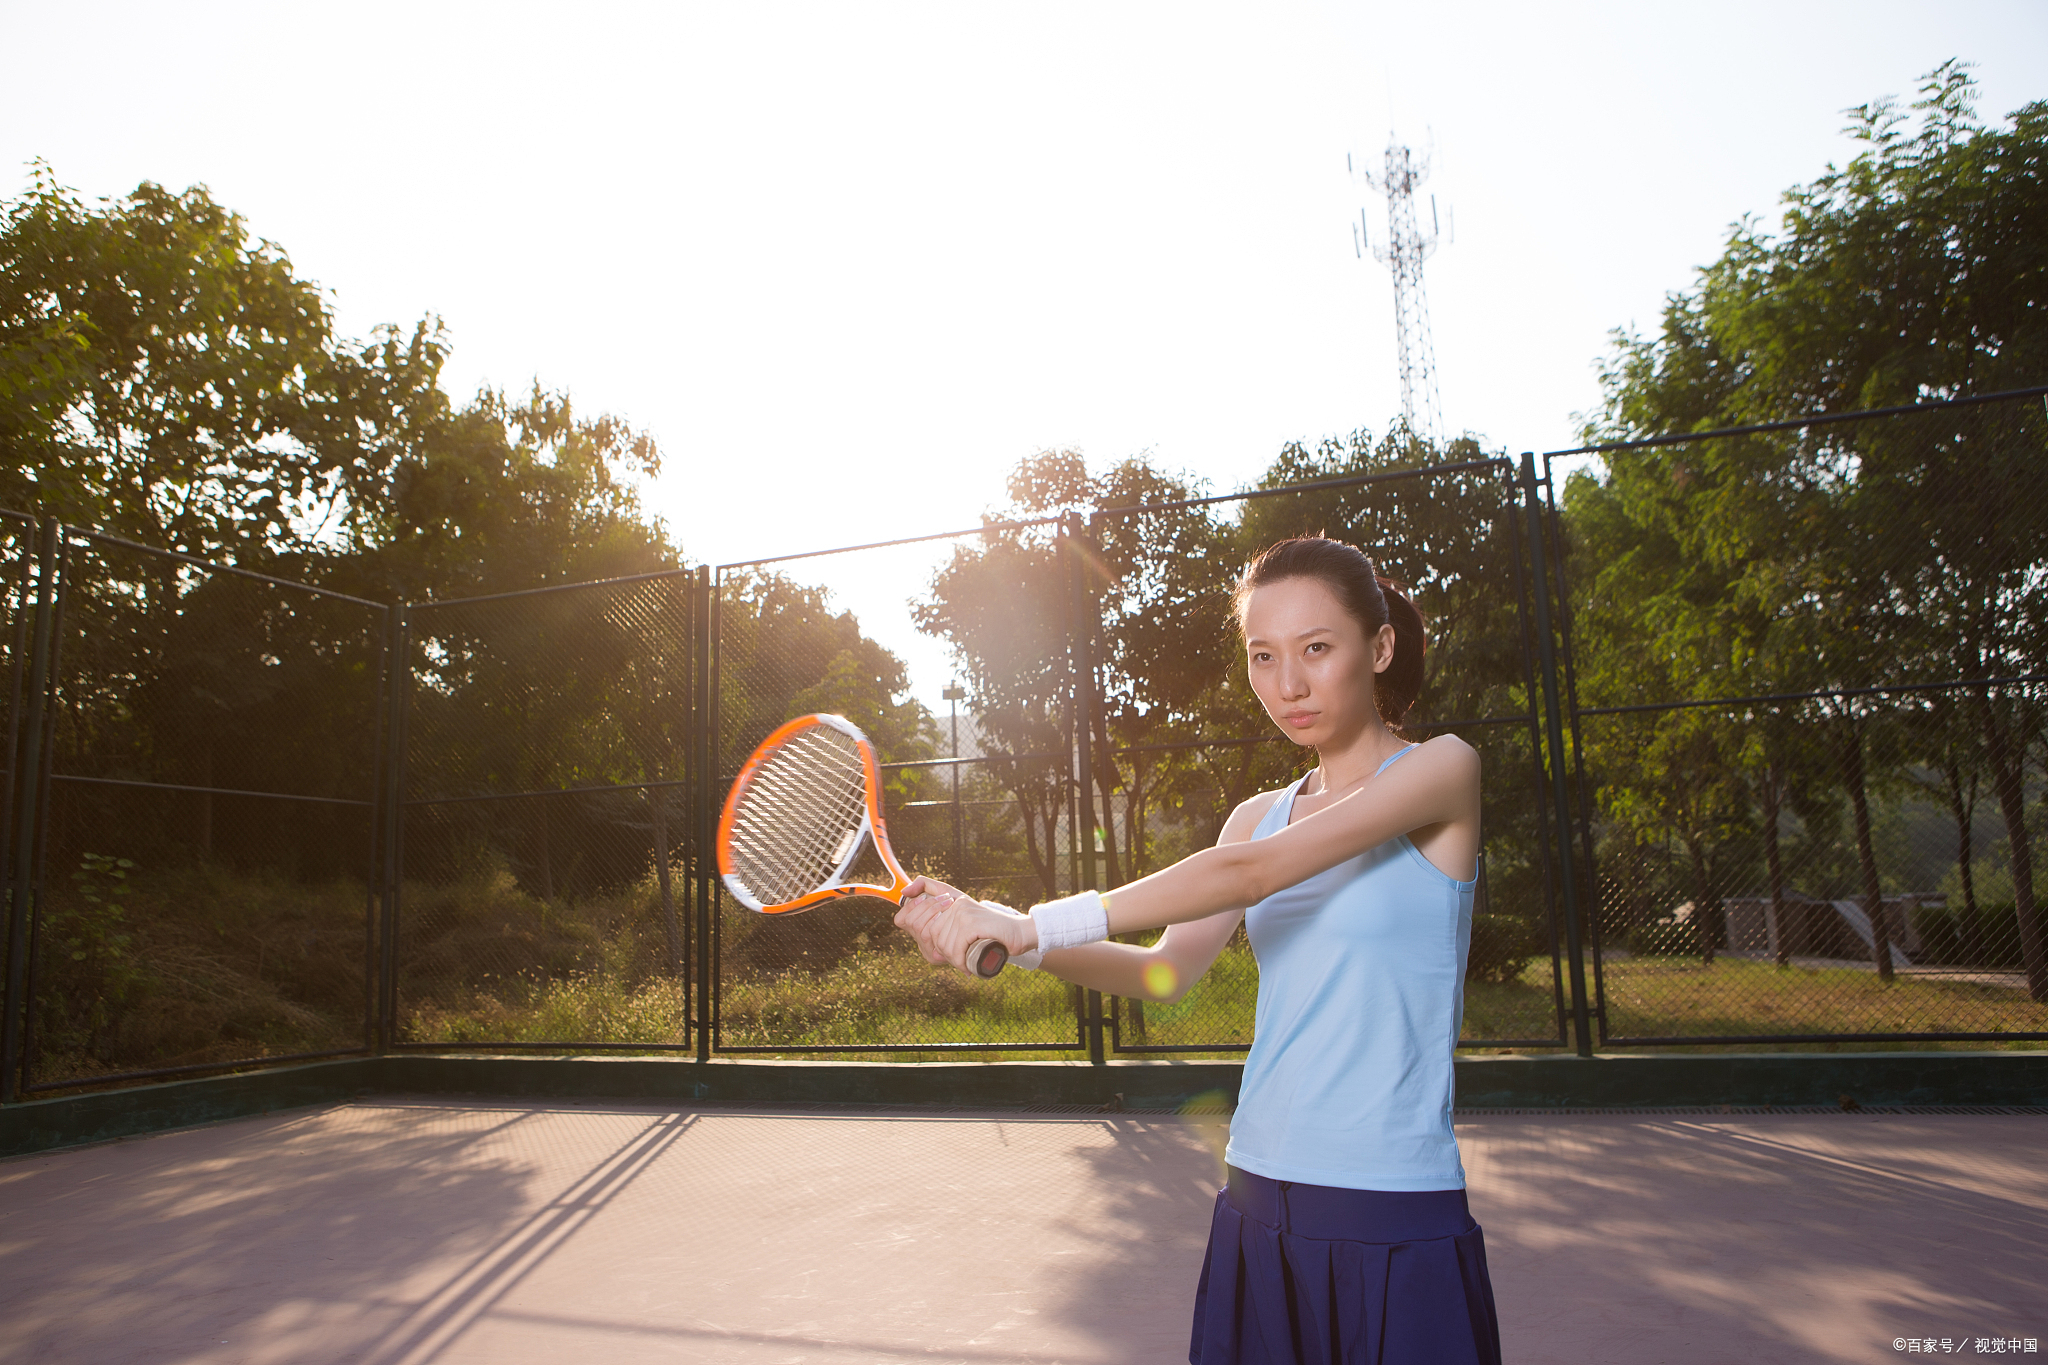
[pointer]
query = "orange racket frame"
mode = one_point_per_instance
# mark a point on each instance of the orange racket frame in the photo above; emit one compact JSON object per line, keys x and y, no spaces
{"x":986,"y":955}
{"x":873,"y":826}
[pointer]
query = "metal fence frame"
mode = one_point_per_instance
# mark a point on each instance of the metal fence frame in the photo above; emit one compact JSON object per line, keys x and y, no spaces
{"x":698,"y":879}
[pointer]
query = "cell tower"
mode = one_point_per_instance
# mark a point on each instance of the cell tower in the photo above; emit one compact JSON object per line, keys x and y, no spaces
{"x":1403,"y":251}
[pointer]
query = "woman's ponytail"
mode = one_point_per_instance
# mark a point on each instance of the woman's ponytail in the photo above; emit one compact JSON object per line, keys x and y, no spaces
{"x":1395,"y":690}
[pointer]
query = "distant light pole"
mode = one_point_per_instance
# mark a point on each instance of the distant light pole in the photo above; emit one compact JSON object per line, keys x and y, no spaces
{"x":955,"y":694}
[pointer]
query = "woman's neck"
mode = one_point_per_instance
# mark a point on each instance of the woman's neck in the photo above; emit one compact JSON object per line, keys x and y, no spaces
{"x":1341,"y":767}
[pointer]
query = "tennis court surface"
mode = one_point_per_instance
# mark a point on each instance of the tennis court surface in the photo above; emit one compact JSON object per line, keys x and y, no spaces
{"x":400,"y":1230}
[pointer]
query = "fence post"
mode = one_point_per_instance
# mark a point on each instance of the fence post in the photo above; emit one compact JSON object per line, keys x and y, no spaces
{"x":29,"y":793}
{"x":1554,"y":742}
{"x":1589,"y":881}
{"x":374,"y":880}
{"x":701,"y":865}
{"x":1081,"y":695}
{"x":399,"y":654}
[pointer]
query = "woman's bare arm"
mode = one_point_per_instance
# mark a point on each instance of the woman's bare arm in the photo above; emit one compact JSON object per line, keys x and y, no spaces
{"x":1163,"y":971}
{"x":1437,"y":785}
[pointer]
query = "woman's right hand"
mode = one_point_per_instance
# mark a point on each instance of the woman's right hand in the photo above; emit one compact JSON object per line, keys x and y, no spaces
{"x":946,"y":921}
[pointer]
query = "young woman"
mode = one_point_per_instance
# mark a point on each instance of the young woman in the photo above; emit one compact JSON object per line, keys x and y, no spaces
{"x":1342,"y":1232}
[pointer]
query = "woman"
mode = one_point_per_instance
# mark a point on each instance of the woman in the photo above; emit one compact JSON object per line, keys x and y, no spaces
{"x":1342,"y":1233}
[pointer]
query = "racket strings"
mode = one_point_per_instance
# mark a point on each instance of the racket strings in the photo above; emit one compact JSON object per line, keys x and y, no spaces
{"x":799,"y":815}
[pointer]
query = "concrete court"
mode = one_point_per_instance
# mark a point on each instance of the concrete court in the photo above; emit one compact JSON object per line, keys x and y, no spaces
{"x":400,"y":1231}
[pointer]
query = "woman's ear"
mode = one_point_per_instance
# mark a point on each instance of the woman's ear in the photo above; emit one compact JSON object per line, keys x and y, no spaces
{"x":1383,"y":649}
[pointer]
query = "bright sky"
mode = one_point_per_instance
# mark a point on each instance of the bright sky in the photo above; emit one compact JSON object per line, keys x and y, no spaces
{"x":849,"y":262}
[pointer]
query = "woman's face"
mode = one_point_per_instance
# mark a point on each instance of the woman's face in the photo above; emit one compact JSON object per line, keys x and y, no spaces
{"x":1311,"y":662}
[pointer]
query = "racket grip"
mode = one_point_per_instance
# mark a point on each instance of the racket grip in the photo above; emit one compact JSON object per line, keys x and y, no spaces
{"x":987,"y":957}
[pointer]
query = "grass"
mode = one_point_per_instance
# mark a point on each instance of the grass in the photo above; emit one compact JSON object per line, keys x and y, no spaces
{"x":203,"y":965}
{"x":885,"y":996}
{"x":1648,"y":997}
{"x":882,"y":998}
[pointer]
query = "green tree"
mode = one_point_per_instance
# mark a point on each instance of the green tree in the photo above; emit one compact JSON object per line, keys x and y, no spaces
{"x":164,"y":377}
{"x":1890,"y":550}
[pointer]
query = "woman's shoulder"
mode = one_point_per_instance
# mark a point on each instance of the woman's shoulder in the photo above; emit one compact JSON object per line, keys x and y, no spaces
{"x":1448,"y":754}
{"x":1238,"y":828}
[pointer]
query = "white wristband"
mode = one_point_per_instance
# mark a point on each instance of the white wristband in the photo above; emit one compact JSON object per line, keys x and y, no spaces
{"x":1071,"y":921}
{"x":1027,"y":962}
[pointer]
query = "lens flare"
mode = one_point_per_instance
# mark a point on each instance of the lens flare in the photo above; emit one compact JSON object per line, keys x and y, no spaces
{"x":1161,"y":980}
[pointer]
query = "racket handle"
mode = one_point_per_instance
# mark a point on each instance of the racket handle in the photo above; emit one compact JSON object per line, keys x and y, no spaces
{"x":987,"y":957}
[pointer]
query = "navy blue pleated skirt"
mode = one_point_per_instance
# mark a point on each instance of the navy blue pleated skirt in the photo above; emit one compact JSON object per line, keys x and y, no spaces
{"x":1312,"y":1273}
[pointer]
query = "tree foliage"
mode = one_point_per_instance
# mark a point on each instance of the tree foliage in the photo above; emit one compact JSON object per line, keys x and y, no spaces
{"x":170,"y":378}
{"x":1829,"y":558}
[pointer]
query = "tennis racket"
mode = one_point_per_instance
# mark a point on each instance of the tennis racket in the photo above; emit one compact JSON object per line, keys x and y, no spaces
{"x":806,"y":807}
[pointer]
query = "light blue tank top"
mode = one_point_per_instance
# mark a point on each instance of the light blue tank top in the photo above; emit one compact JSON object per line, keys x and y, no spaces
{"x":1361,"y":995}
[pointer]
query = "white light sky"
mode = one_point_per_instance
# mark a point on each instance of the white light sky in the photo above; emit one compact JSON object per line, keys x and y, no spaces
{"x":849,"y":262}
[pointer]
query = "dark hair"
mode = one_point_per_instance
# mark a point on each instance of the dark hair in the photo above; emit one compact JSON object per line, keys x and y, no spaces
{"x":1372,"y":600}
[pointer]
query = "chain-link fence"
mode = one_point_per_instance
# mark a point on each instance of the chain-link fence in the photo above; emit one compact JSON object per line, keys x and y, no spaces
{"x":548,"y":807}
{"x":199,"y":876}
{"x":982,"y":800}
{"x":1809,"y":702}
{"x":1763,"y":716}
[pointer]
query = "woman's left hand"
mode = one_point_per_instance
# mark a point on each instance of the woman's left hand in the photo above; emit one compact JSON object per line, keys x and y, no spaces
{"x":924,"y":901}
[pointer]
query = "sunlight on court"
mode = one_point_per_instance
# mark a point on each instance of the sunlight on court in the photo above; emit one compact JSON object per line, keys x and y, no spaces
{"x":398,"y":1232}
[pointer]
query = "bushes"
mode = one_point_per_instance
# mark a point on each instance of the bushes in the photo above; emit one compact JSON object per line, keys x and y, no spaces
{"x":146,"y":967}
{"x":884,"y":995}
{"x":1664,"y":938}
{"x":1953,"y":937}
{"x":1502,"y":945}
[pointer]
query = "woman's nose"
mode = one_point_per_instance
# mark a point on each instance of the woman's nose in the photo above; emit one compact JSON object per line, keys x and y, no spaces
{"x":1293,"y":681}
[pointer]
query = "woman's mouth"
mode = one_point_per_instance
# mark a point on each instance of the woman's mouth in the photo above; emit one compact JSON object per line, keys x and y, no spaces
{"x":1301,"y":720}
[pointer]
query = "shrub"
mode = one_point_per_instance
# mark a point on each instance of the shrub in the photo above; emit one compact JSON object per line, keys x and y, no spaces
{"x":1953,"y":937}
{"x":191,"y":964}
{"x":1502,"y":945}
{"x":1664,"y":938}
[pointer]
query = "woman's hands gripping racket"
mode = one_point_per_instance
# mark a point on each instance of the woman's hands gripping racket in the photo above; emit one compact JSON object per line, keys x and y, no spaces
{"x":803,"y":810}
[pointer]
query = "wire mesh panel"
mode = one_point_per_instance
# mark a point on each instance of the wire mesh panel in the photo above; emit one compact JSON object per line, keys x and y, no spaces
{"x":1810,"y":695}
{"x":547,"y":818}
{"x":975,"y":785}
{"x":1181,"y":740}
{"x":1742,"y":852}
{"x":205,"y":860}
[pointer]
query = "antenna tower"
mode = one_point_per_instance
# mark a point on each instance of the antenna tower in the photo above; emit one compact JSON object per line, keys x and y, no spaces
{"x":1403,"y":251}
